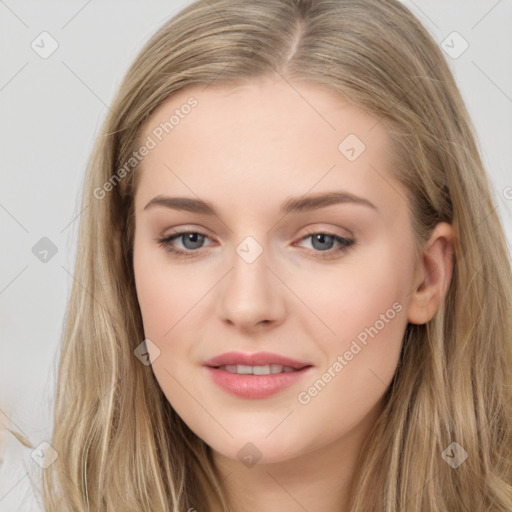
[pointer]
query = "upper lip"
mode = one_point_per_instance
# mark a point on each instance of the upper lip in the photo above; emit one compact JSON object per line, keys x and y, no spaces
{"x":257,"y":359}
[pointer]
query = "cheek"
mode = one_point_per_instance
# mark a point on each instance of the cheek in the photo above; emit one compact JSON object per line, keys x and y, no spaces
{"x":362,"y":308}
{"x":351,"y":296}
{"x":166,"y":292}
{"x":167,"y":295}
{"x":365,"y":306}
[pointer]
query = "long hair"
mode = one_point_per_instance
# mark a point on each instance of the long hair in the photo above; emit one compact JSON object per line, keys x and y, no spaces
{"x":121,"y":445}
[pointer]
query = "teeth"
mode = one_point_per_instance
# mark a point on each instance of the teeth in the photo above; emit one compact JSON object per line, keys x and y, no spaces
{"x":261,"y":370}
{"x":268,"y":369}
{"x":243,"y":370}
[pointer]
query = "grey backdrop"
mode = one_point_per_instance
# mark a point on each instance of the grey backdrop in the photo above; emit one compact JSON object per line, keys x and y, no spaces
{"x":52,"y":106}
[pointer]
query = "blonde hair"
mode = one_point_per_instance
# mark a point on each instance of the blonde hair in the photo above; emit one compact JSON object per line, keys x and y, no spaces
{"x":121,"y":446}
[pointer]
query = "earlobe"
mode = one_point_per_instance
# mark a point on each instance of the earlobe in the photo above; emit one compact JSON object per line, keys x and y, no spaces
{"x":435,"y":271}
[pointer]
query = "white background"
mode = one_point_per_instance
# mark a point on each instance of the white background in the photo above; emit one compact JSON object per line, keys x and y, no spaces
{"x":52,"y":110}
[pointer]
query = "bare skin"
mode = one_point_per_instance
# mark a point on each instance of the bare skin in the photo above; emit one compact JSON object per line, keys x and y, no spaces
{"x":246,"y":150}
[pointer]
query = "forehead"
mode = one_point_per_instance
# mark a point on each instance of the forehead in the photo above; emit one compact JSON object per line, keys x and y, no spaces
{"x":261,"y":140}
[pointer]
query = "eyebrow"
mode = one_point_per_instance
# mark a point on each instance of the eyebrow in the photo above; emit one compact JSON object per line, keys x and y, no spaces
{"x":291,"y":205}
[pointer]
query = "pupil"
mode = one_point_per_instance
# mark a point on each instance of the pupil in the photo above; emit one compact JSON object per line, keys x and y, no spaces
{"x":321,"y":238}
{"x":193,"y":238}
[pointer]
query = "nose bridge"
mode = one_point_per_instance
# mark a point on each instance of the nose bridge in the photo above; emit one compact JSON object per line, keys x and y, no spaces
{"x":251,"y":293}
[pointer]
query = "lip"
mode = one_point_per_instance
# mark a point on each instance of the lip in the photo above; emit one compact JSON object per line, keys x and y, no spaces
{"x":257,"y":359}
{"x":255,"y":386}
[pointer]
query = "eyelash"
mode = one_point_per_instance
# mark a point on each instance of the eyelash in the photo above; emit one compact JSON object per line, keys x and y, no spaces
{"x":345,"y":244}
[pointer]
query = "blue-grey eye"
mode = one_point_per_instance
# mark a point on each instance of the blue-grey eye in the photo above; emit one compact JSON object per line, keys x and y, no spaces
{"x":191,"y":240}
{"x":321,"y":241}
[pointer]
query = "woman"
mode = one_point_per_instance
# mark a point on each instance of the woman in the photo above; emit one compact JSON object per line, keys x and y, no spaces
{"x":260,"y":369}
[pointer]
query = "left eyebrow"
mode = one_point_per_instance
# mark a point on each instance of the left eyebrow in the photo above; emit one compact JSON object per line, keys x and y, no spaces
{"x":291,"y":205}
{"x":317,"y":201}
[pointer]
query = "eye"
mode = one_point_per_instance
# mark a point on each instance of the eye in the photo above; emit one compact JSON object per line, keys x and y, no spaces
{"x":324,"y":242}
{"x":191,"y":240}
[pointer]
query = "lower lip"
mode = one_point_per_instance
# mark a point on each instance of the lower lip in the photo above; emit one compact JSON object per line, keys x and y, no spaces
{"x":255,"y":386}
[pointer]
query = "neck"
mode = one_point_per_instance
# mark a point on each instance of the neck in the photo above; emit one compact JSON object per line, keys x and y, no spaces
{"x":319,"y":480}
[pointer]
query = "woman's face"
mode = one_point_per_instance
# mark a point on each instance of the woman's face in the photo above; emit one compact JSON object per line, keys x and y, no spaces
{"x":275,"y":269}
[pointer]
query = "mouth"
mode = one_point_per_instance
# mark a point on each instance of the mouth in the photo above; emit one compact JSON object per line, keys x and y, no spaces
{"x":269,"y":369}
{"x":255,"y":375}
{"x":260,"y":363}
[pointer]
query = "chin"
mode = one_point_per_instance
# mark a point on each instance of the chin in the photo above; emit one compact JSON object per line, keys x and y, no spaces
{"x":250,"y":450}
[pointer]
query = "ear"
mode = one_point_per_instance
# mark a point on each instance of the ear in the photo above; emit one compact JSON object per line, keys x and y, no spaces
{"x":433,"y":273}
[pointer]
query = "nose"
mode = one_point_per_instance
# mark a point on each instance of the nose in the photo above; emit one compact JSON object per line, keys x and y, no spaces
{"x":251,"y":296}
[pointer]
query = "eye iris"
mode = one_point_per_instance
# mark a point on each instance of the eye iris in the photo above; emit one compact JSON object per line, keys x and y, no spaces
{"x":321,"y":238}
{"x":195,"y":238}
